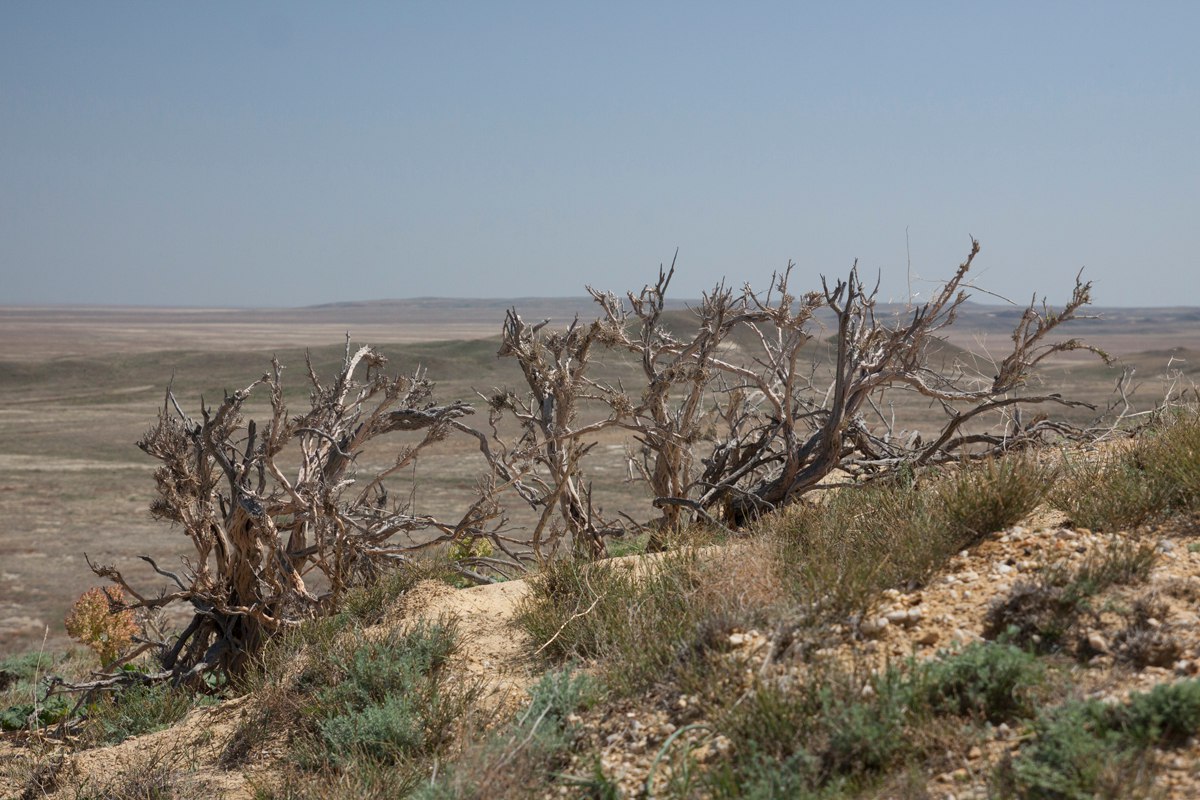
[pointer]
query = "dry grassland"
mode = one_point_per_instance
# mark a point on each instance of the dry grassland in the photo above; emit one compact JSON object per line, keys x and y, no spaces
{"x":79,"y":386}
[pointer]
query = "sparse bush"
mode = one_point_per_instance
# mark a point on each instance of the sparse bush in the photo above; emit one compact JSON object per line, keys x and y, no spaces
{"x":1075,"y":757}
{"x":995,"y":682}
{"x":833,"y":730}
{"x":154,"y":775}
{"x":365,"y":714}
{"x":1144,"y":642}
{"x":99,"y":620}
{"x":382,"y":701}
{"x":838,"y":732}
{"x":1170,"y":453}
{"x":1107,"y":494}
{"x":368,"y":604}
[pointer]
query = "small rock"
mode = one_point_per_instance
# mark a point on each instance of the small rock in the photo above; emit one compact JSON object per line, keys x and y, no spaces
{"x":874,"y":628}
{"x":974,"y":753}
{"x":1097,"y":642}
{"x":928,"y":638}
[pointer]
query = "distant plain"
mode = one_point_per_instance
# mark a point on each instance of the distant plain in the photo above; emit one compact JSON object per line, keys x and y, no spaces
{"x":80,"y":385}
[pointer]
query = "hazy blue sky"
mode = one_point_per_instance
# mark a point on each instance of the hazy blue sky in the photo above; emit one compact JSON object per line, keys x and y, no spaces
{"x":299,"y":153}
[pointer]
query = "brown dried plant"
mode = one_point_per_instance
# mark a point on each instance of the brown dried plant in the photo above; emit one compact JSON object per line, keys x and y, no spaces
{"x":100,"y":620}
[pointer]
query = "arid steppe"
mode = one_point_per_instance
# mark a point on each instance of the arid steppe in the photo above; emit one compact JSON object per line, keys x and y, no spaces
{"x":80,"y":385}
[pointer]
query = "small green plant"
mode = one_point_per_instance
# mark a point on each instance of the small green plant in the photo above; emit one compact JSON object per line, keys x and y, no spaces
{"x":370,"y":712}
{"x":138,"y":710}
{"x":837,"y":729}
{"x":840,"y":731}
{"x":996,"y":682}
{"x":20,"y":716}
{"x":99,"y":620}
{"x":1087,"y":749}
{"x":977,"y":499}
{"x":382,"y":703}
{"x":24,"y":702}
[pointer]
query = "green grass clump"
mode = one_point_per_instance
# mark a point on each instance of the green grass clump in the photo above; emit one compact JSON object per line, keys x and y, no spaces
{"x":138,"y":710}
{"x":1047,"y":611}
{"x":974,"y":500}
{"x":1087,"y":749}
{"x":523,"y":757}
{"x":1158,"y":475}
{"x":369,"y":604}
{"x":636,"y":625}
{"x":838,"y":556}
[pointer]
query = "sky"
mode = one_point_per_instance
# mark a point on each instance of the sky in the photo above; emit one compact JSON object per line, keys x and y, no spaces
{"x":291,"y":153}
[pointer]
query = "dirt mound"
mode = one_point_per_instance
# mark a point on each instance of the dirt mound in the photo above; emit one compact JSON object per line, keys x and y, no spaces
{"x":186,"y":757}
{"x":491,"y":649}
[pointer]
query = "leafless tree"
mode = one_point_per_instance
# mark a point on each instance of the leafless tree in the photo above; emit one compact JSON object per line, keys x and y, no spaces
{"x":280,"y":520}
{"x":730,"y":431}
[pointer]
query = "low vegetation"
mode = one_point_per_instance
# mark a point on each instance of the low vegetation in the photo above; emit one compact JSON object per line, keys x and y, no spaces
{"x":1157,"y":475}
{"x":1087,"y":749}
